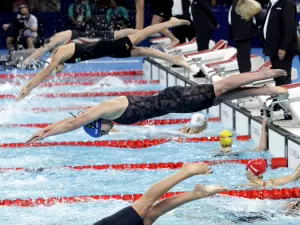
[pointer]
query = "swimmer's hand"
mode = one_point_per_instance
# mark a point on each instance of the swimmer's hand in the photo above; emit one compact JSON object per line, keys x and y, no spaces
{"x":36,"y":137}
{"x":24,"y":92}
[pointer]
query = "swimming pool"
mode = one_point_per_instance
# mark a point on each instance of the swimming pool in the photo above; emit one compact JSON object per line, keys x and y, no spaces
{"x":55,"y":182}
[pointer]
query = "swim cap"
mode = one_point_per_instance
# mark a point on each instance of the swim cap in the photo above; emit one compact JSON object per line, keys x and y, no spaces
{"x":197,"y":120}
{"x":94,"y":128}
{"x":226,"y":138}
{"x":257,"y":166}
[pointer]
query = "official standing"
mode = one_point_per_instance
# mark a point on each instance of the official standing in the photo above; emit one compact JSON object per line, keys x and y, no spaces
{"x":280,"y":33}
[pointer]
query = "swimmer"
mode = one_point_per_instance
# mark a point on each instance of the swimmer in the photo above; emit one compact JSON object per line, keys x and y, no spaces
{"x":197,"y":125}
{"x":226,"y":141}
{"x":127,"y":110}
{"x":293,"y":208}
{"x":255,"y":170}
{"x":88,"y":37}
{"x":121,"y":48}
{"x":147,"y":210}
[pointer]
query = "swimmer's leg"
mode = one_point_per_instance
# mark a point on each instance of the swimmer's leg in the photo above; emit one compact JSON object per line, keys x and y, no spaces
{"x":124,"y":33}
{"x":166,"y":205}
{"x":151,"y":52}
{"x":249,"y":92}
{"x":157,"y":19}
{"x":144,"y":204}
{"x":141,"y":35}
{"x":238,"y":80}
{"x":55,"y":41}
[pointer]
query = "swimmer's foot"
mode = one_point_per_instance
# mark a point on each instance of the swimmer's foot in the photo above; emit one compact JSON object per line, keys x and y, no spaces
{"x":205,"y":191}
{"x":274,"y":90}
{"x":272,"y":73}
{"x":180,"y":62}
{"x":177,"y":22}
{"x":196,"y":168}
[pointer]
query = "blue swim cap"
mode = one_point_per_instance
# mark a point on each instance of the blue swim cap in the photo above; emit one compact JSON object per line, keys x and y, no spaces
{"x":94,"y":129}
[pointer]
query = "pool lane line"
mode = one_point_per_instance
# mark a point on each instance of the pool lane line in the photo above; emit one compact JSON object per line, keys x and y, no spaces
{"x":76,"y":74}
{"x":87,"y":94}
{"x":124,"y":167}
{"x":142,"y":123}
{"x":271,"y":194}
{"x":91,"y":83}
{"x":128,"y":144}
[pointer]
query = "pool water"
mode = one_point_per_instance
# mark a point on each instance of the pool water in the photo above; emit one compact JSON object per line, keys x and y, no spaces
{"x":55,"y":182}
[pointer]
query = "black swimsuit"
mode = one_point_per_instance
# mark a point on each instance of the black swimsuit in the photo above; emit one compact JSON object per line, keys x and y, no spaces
{"x":171,"y":100}
{"x":120,"y":48}
{"x":126,"y":216}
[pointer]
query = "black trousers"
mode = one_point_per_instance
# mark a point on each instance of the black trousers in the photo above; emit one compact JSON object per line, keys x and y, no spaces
{"x":285,"y":64}
{"x":243,"y":55}
{"x":184,"y":32}
{"x":203,"y":41}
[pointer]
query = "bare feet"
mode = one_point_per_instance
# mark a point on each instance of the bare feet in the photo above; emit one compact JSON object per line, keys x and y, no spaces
{"x":274,"y":90}
{"x":204,"y":191}
{"x":177,"y":22}
{"x":178,"y":60}
{"x":196,"y":168}
{"x":272,"y":73}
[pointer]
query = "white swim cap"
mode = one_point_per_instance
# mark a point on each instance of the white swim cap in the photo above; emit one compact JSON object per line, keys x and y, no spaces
{"x":197,"y":120}
{"x":47,"y":62}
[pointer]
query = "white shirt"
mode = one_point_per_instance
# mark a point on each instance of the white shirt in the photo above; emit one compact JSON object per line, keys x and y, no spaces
{"x":229,"y":16}
{"x":177,"y":8}
{"x":273,"y":2}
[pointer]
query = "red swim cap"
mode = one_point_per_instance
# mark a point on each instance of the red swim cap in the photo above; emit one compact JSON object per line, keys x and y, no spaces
{"x":257,"y":166}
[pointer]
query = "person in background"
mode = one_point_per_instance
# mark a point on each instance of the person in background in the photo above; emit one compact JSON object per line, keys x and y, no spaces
{"x":255,"y":170}
{"x":79,"y":14}
{"x":181,"y":11}
{"x":117,"y":16}
{"x":162,"y":12}
{"x":205,"y":23}
{"x":25,"y":25}
{"x":242,"y":30}
{"x":280,"y":33}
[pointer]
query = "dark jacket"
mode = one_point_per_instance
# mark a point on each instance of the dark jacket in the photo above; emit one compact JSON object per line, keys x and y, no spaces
{"x":282,"y":28}
{"x":241,"y":29}
{"x":203,"y":18}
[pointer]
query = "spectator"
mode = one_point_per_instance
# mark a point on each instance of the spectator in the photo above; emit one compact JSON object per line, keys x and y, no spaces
{"x":117,"y":16}
{"x":80,"y":14}
{"x":25,"y":25}
{"x":280,"y":33}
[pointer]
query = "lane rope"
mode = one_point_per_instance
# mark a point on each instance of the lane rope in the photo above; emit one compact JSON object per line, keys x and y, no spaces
{"x":76,"y":74}
{"x":87,"y":94}
{"x":274,"y":194}
{"x":135,"y":166}
{"x":131,"y":144}
{"x":142,"y":123}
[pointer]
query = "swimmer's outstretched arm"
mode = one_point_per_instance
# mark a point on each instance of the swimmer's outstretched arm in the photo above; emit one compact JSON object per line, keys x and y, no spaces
{"x":263,"y":136}
{"x":61,"y":54}
{"x":109,"y":110}
{"x":286,"y":179}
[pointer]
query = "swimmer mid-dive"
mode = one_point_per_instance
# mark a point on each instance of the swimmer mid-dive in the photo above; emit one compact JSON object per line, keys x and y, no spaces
{"x":88,"y":37}
{"x":176,"y":99}
{"x":146,"y":210}
{"x":121,"y":48}
{"x":255,"y":170}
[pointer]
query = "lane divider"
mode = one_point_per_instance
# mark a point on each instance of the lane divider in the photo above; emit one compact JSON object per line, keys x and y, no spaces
{"x":91,"y":83}
{"x":274,"y":194}
{"x":134,"y":144}
{"x":142,"y":123}
{"x":87,"y":94}
{"x":139,"y":166}
{"x":76,"y":74}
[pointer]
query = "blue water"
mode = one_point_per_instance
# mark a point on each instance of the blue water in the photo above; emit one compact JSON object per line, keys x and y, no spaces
{"x":59,"y":182}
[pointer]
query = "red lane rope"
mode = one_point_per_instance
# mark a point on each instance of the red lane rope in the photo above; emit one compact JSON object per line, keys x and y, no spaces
{"x":134,"y":144}
{"x":139,"y":166}
{"x":274,"y":194}
{"x":87,"y":94}
{"x":142,"y":123}
{"x":90,"y":83}
{"x":76,"y":75}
